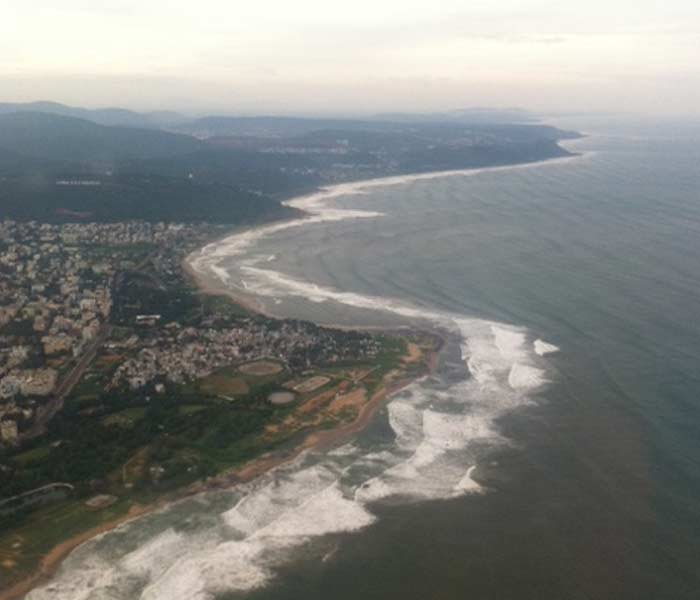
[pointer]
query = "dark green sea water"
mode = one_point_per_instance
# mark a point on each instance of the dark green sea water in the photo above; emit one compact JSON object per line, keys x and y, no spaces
{"x":589,"y":482}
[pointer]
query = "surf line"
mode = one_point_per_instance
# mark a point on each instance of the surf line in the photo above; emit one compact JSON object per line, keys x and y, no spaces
{"x":208,"y":258}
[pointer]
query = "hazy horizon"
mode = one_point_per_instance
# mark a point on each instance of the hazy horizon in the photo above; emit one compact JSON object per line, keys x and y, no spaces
{"x":362,"y":58}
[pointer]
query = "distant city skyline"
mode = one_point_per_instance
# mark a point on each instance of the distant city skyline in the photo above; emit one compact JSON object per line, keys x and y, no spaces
{"x":354,"y":58}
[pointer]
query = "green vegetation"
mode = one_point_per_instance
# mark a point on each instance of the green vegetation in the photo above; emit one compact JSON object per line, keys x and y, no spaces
{"x":56,"y":137}
{"x":61,"y":168}
{"x":35,"y":455}
{"x":126,"y":196}
{"x":140,"y":445}
{"x":30,"y":538}
{"x":191,"y":409}
{"x":125,"y":418}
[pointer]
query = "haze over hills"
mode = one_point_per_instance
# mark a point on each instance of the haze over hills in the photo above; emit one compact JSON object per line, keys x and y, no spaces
{"x":57,"y":137}
{"x":102,"y":116}
{"x":63,"y":163}
{"x":222,"y":124}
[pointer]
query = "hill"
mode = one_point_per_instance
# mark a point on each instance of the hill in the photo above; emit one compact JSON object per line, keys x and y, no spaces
{"x":230,"y":169}
{"x":130,"y":196}
{"x":57,"y":168}
{"x":48,"y":136}
{"x":118,"y":117}
{"x":459,"y":123}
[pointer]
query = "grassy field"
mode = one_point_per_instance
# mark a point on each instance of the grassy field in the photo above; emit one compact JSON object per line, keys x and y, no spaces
{"x":125,"y":418}
{"x":191,"y":409}
{"x":21,"y":546}
{"x":34,"y":455}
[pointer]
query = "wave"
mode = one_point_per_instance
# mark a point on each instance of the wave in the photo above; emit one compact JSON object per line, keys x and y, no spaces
{"x":209,"y":258}
{"x":440,"y":430}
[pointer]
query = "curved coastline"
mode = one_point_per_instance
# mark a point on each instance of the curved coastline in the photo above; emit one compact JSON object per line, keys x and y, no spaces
{"x":211,"y":279}
{"x":246,"y":473}
{"x":212,"y":283}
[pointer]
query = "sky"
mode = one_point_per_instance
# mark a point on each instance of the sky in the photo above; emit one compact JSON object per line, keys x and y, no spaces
{"x":354,"y":57}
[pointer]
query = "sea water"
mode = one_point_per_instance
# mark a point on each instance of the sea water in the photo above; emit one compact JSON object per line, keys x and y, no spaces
{"x":554,"y":454}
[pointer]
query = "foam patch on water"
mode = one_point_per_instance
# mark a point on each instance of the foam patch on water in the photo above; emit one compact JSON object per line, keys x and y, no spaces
{"x":524,"y":377}
{"x":261,"y":507}
{"x":467,"y":483}
{"x":542,"y":348}
{"x":147,"y":560}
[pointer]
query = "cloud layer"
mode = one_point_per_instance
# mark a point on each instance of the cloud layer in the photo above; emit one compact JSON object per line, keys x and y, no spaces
{"x":353,"y":57}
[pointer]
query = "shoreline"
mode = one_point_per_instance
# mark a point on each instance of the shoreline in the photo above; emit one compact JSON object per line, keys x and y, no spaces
{"x":51,"y":562}
{"x":208,"y":284}
{"x":257,"y":467}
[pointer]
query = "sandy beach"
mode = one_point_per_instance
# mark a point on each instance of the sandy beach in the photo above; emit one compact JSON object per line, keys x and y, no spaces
{"x":318,"y":440}
{"x":210,"y":286}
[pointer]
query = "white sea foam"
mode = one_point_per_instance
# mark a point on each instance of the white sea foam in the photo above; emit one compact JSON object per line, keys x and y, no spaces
{"x":148,"y":560}
{"x":260,"y":508}
{"x":431,"y":457}
{"x":467,"y":483}
{"x":209,"y":570}
{"x":509,"y":341}
{"x":524,"y":377}
{"x":327,"y":511}
{"x":315,"y":205}
{"x":542,"y":348}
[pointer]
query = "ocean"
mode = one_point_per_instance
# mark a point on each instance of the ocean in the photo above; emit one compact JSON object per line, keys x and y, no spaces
{"x":554,"y":454}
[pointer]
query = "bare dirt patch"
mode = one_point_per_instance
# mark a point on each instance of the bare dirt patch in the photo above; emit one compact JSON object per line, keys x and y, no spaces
{"x":353,"y":399}
{"x":311,"y":384}
{"x":317,"y":402}
{"x":413,"y":355}
{"x":109,"y":359}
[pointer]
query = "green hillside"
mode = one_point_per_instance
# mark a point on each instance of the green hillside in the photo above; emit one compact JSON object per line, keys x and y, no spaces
{"x":43,"y":135}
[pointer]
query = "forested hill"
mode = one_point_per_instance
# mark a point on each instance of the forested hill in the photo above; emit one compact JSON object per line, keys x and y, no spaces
{"x":55,"y":167}
{"x":57,"y":137}
{"x":120,"y":117}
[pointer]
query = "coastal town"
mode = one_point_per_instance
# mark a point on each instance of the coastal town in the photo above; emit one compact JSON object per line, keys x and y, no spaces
{"x":178,"y":354}
{"x":122,"y":382}
{"x":56,"y":288}
{"x":128,"y":381}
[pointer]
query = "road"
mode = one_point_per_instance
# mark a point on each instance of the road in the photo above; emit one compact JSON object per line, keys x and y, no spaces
{"x":49,"y":410}
{"x":55,"y":404}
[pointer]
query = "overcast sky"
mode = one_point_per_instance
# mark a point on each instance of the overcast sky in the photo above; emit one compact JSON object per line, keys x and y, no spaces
{"x":356,"y":56}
